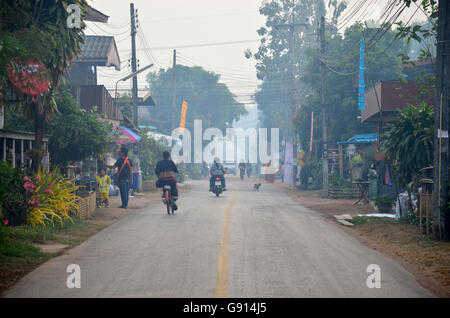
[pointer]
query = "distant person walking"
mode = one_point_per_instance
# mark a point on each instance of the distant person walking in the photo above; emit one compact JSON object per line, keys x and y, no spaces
{"x":249,"y":169}
{"x":242,"y":169}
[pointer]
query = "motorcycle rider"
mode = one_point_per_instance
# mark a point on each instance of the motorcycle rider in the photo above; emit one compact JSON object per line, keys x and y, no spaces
{"x":165,"y":170}
{"x":217,"y":171}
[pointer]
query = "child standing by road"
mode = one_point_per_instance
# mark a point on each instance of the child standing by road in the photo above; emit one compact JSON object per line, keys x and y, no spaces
{"x":103,"y":182}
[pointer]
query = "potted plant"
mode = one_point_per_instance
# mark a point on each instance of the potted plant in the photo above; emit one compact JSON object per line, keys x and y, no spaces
{"x":384,"y":203}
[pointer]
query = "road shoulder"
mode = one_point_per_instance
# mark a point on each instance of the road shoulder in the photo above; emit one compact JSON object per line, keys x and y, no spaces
{"x":427,"y":259}
{"x":29,"y":247}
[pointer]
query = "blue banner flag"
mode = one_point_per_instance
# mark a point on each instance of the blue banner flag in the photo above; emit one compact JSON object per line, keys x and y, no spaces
{"x":362,"y":86}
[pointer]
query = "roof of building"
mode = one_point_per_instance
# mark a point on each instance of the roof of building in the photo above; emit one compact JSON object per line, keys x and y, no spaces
{"x":100,"y":51}
{"x":93,"y":15}
{"x":361,"y":139}
{"x":389,"y":97}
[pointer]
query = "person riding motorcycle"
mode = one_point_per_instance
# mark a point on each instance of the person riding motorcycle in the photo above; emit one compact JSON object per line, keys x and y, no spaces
{"x":217,"y":171}
{"x":165,"y":170}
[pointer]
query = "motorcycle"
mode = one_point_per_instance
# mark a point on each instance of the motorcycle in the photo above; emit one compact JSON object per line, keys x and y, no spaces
{"x":217,"y":187}
{"x":167,"y":198}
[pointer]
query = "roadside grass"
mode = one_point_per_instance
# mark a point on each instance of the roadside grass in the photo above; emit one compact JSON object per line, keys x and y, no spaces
{"x":420,"y":253}
{"x":18,"y":255}
{"x":360,"y":220}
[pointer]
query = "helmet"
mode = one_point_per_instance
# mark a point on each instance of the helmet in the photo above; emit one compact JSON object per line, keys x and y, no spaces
{"x":216,"y":160}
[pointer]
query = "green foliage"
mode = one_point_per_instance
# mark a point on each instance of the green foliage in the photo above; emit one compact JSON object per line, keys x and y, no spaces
{"x":208,"y":100}
{"x":194,"y":172}
{"x":2,"y":234}
{"x":273,"y":56}
{"x":357,"y":160}
{"x":361,"y":220}
{"x":313,"y":170}
{"x":16,"y":249}
{"x":40,"y":26}
{"x":384,"y":203}
{"x":341,"y":90}
{"x":10,"y":48}
{"x":75,"y":134}
{"x":335,"y":180}
{"x":412,"y":218}
{"x":53,"y":198}
{"x":150,"y":153}
{"x":125,"y":102}
{"x":13,"y":196}
{"x":408,"y":142}
{"x":181,"y":175}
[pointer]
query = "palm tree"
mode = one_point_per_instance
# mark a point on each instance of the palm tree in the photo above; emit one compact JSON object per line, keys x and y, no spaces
{"x":41,"y":28}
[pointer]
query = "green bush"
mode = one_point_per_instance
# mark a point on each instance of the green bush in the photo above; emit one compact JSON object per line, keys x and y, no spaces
{"x":313,"y":170}
{"x":194,"y":172}
{"x":384,"y":203}
{"x":181,"y":175}
{"x":2,"y":234}
{"x":13,"y":196}
{"x":304,"y":175}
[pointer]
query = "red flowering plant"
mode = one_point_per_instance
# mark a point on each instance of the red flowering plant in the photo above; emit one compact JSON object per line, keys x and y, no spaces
{"x":52,"y":198}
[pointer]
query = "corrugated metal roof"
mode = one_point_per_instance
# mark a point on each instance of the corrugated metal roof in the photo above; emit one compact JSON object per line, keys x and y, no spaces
{"x":99,"y":50}
{"x":96,"y":47}
{"x":361,"y":139}
{"x":92,"y":14}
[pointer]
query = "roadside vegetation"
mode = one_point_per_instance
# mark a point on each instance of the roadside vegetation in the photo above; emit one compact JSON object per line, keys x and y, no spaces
{"x":425,"y":257}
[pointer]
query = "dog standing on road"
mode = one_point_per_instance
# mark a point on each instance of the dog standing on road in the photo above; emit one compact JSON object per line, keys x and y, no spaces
{"x":256,"y":186}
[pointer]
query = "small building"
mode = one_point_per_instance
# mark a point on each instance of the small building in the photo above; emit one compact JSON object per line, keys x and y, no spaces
{"x":97,"y":51}
{"x":14,"y":146}
{"x":382,"y":105}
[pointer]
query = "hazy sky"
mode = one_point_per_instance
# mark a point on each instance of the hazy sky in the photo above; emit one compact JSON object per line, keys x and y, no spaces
{"x":172,"y":24}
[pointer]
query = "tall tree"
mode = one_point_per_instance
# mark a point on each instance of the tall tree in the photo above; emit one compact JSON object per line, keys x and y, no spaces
{"x":342,"y":61}
{"x":273,"y":57}
{"x":41,"y":27}
{"x":208,"y":100}
{"x":75,"y":134}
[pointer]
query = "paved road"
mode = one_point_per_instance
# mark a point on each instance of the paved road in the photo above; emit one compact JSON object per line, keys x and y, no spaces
{"x":242,"y":244}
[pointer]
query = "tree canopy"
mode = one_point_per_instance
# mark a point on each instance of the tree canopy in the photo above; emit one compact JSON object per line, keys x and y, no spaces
{"x":208,"y":100}
{"x":341,"y":60}
{"x":40,"y":28}
{"x":75,"y":134}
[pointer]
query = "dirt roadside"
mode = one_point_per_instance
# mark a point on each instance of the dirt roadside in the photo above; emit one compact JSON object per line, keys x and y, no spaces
{"x":427,"y":259}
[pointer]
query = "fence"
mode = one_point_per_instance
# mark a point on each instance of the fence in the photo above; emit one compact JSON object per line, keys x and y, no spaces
{"x":87,"y":205}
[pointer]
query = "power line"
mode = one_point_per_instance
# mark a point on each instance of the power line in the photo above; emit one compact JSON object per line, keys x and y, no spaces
{"x":199,"y":17}
{"x":110,"y":33}
{"x":386,"y":26}
{"x":201,"y":45}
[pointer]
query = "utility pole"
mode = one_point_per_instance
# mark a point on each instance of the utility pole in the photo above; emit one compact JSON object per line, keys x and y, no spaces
{"x":133,"y":64}
{"x":289,"y":135}
{"x":441,"y":163}
{"x":174,"y":98}
{"x":324,"y":113}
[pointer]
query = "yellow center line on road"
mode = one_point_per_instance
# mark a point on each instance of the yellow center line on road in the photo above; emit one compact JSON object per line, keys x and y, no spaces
{"x":221,"y":287}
